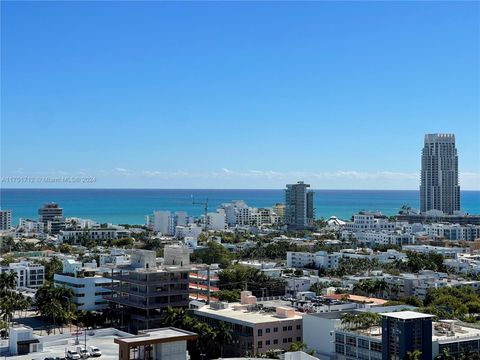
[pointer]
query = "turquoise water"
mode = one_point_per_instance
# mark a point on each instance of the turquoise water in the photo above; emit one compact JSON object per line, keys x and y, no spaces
{"x":119,"y":206}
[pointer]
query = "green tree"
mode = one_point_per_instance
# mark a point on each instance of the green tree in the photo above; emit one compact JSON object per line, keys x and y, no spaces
{"x":412,"y":355}
{"x":55,"y":303}
{"x":214,"y":253}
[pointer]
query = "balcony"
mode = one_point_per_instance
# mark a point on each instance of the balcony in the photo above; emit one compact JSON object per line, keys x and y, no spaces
{"x":151,"y":293}
{"x":143,"y":304}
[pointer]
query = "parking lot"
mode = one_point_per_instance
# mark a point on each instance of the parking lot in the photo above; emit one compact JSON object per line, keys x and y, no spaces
{"x":104,"y":343}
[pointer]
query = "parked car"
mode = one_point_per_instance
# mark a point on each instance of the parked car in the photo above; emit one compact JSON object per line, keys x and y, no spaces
{"x":73,"y":355}
{"x":94,"y":351}
{"x":83,"y":353}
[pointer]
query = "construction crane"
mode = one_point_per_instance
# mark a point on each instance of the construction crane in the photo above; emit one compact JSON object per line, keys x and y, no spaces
{"x":205,"y":207}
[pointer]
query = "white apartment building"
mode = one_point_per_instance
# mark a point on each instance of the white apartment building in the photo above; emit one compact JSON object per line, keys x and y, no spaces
{"x":447,"y":252}
{"x":190,"y":231}
{"x":326,"y":260}
{"x":384,"y":237}
{"x":165,"y":222}
{"x":76,"y":235}
{"x":5,"y":219}
{"x":117,"y":257}
{"x":464,"y":263}
{"x":88,"y":291}
{"x":296,"y":259}
{"x":238,"y":213}
{"x":216,"y":220}
{"x":453,"y":231}
{"x":232,"y":211}
{"x":368,"y":221}
{"x":29,"y":275}
{"x":161,"y":222}
{"x":298,"y":284}
{"x":418,"y":284}
{"x":32,"y":226}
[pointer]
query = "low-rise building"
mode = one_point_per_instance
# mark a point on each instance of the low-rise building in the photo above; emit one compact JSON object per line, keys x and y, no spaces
{"x":29,"y":274}
{"x":98,"y":233}
{"x":158,"y":344}
{"x":88,"y":290}
{"x":447,"y":252}
{"x":31,"y":226}
{"x":254,"y":331}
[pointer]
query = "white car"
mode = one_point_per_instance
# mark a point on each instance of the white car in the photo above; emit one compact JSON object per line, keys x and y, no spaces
{"x":72,"y":354}
{"x":94,"y":351}
{"x":84,"y":353}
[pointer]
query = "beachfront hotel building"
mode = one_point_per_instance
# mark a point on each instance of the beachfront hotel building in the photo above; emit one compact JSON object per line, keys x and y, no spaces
{"x":299,"y":209}
{"x":51,"y":215}
{"x":439,"y":189}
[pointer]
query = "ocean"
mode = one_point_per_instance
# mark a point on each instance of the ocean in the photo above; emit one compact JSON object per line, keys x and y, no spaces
{"x":129,"y":206}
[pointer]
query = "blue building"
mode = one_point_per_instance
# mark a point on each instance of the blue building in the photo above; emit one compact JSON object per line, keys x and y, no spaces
{"x":406,"y":331}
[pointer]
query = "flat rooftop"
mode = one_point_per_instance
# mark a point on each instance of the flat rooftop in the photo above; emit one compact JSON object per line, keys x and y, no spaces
{"x":157,"y":336}
{"x":243,"y":316}
{"x":460,"y":333}
{"x":407,"y":315}
{"x":57,"y":346}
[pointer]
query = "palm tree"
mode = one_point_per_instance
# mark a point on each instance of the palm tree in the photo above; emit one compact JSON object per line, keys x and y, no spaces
{"x":297,"y":346}
{"x":347,"y":320}
{"x":413,"y":355}
{"x":223,"y":336}
{"x":445,"y":355}
{"x":8,"y":281}
{"x":55,"y":303}
{"x":174,"y":316}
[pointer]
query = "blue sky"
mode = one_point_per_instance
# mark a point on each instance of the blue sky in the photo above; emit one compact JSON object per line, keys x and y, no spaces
{"x":237,"y":94}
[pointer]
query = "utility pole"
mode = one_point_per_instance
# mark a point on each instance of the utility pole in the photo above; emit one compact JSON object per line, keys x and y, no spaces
{"x":205,"y":209}
{"x":208,"y":284}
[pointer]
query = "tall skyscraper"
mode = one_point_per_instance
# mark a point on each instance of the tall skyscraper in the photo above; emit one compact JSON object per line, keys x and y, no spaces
{"x":439,"y":189}
{"x":299,"y":210}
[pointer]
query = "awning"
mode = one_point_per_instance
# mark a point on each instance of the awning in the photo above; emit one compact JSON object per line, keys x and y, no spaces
{"x":29,"y":341}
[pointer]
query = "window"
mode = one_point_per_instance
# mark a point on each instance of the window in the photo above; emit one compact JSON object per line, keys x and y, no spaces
{"x":285,"y":340}
{"x":362,"y":343}
{"x":290,"y":328}
{"x":350,"y":351}
{"x":376,"y":346}
{"x":299,"y":338}
{"x":259,"y":332}
{"x":350,"y":340}
{"x":267,"y":330}
{"x":275,"y":329}
{"x":290,"y":340}
{"x":299,"y":327}
{"x":275,"y":341}
{"x":267,"y":342}
{"x":259,"y":344}
{"x":284,"y":328}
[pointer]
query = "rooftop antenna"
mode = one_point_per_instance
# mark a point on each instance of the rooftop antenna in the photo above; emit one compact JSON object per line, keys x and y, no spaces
{"x":205,"y":208}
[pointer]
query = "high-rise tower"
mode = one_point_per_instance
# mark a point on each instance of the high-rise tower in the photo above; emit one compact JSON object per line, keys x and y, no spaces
{"x":299,"y":210}
{"x":439,"y":189}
